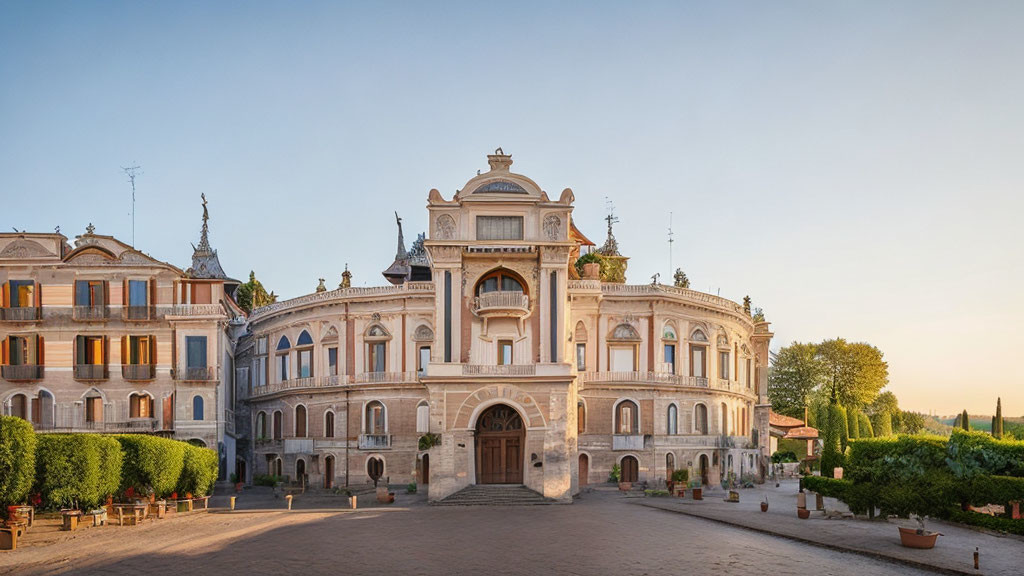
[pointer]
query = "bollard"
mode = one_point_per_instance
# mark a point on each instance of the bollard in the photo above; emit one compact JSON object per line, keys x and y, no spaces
{"x":819,"y":501}
{"x":801,"y":500}
{"x":289,"y":499}
{"x":975,"y":557}
{"x":352,"y":502}
{"x":232,"y":502}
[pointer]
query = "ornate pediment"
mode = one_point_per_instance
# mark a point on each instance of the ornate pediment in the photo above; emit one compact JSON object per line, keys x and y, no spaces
{"x":24,"y":248}
{"x":423,"y":333}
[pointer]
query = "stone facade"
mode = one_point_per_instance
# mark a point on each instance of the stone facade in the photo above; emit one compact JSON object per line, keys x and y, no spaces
{"x":504,"y":367}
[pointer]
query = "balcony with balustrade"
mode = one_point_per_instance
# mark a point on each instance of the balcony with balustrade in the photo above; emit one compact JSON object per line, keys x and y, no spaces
{"x":138,"y":372}
{"x":374,"y":441}
{"x":191,"y":311}
{"x":501,"y":304}
{"x":195,"y":374}
{"x":138,"y":313}
{"x":20,"y":314}
{"x":100,"y":313}
{"x":90,"y":372}
{"x":22,"y":372}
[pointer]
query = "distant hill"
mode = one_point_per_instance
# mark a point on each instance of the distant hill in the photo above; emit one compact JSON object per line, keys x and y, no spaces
{"x":1014,"y":426}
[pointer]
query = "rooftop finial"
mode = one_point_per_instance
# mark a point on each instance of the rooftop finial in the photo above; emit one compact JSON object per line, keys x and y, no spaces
{"x":611,"y":246}
{"x":499,"y":161}
{"x":400,"y":253}
{"x":204,"y":237}
{"x":320,"y":287}
{"x":205,"y":263}
{"x":90,"y":229}
{"x":346,"y":278}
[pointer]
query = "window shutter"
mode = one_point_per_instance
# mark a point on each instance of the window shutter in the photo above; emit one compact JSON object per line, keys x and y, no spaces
{"x":124,"y":292}
{"x":152,"y":291}
{"x":6,"y":295}
{"x":125,"y":358}
{"x":37,"y":296}
{"x":4,"y":351}
{"x":106,"y":353}
{"x":106,"y":293}
{"x":152,"y":350}
{"x":40,"y":356}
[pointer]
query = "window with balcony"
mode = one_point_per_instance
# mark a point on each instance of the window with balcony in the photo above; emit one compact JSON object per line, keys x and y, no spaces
{"x":499,"y":227}
{"x":332,"y":361}
{"x":91,"y":357}
{"x":376,"y":340}
{"x":138,"y":357}
{"x":196,"y":365}
{"x":278,"y":425}
{"x":304,"y":355}
{"x":504,"y":352}
{"x":283,"y":345}
{"x":698,"y":361}
{"x":19,"y":300}
{"x":137,"y":299}
{"x":670,"y":357}
{"x":627,"y":417}
{"x":500,"y":281}
{"x":261,"y":425}
{"x":22,"y":357}
{"x":90,"y":300}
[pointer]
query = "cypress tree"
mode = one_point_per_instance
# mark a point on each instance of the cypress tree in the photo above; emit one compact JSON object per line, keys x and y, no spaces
{"x":852,"y":423}
{"x":844,"y":429}
{"x":882,"y":424}
{"x":966,"y":421}
{"x":956,"y":423}
{"x":831,"y":454}
{"x":864,"y":426}
{"x":997,"y":425}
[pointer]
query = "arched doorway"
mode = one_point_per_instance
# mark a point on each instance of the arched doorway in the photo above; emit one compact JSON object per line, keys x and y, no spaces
{"x":328,"y":472}
{"x":375,"y":469}
{"x":500,"y":437}
{"x":584,"y":470}
{"x":300,"y":470}
{"x":704,"y":469}
{"x":670,"y":465}
{"x":425,"y":469}
{"x":630,"y":470}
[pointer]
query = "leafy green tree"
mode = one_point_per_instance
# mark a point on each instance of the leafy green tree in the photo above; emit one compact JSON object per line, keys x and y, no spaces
{"x":252,"y":294}
{"x":913,"y":422}
{"x":831,"y":454}
{"x":854,"y":372}
{"x":796,"y":373}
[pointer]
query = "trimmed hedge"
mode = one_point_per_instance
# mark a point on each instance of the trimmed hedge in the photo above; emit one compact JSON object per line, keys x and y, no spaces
{"x":999,"y":523}
{"x":151,"y":462}
{"x":199,"y":471}
{"x":831,"y":487}
{"x":77,"y":470}
{"x":17,"y":460}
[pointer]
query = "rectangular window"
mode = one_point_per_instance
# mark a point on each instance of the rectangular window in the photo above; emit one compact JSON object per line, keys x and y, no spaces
{"x":282,"y":363}
{"x":195,"y":347}
{"x":378,"y":357}
{"x":305,"y":363}
{"x":138,"y":350}
{"x":259,"y":371}
{"x":138,"y":293}
{"x":89,"y":293}
{"x":581,"y":357}
{"x":261,"y":345}
{"x":505,"y":352}
{"x":723,"y":365}
{"x":499,"y":227}
{"x":23,"y":350}
{"x":622,"y":359}
{"x":670,"y":357}
{"x":748,"y":372}
{"x":332,"y":361}
{"x":90,"y":350}
{"x":698,"y":362}
{"x":424,"y":359}
{"x":22,"y":293}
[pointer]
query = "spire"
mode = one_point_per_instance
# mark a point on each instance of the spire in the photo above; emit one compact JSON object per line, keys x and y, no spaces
{"x":400,"y":253}
{"x":205,"y":263}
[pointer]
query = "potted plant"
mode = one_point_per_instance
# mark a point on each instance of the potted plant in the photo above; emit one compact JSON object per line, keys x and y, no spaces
{"x":803,"y":513}
{"x":764,"y":504}
{"x":679,"y":479}
{"x":696,"y":489}
{"x":236,"y":482}
{"x":616,"y":476}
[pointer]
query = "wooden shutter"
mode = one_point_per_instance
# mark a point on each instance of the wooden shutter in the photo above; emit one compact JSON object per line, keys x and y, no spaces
{"x":40,"y":355}
{"x":6,"y":295}
{"x":152,"y":350}
{"x":4,"y":351}
{"x":152,"y":291}
{"x":125,"y":358}
{"x":106,"y":293}
{"x":124,"y":293}
{"x":106,"y":354}
{"x":37,"y":296}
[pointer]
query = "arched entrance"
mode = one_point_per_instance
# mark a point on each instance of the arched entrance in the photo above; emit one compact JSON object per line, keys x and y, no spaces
{"x":425,"y":469}
{"x":500,"y":437}
{"x":584,"y":470}
{"x":630,"y":471}
{"x":704,"y":469}
{"x":375,"y":469}
{"x":328,"y":472}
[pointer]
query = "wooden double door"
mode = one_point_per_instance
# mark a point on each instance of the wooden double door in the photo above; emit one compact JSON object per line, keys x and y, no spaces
{"x":500,"y":437}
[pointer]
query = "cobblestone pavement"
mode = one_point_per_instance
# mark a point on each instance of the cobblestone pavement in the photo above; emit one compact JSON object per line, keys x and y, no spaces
{"x":602,"y":533}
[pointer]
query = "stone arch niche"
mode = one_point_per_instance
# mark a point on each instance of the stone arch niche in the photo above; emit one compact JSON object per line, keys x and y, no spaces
{"x":483,"y":398}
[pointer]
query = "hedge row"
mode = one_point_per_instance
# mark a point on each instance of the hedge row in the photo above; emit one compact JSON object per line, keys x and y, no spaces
{"x":17,"y":460}
{"x":82,"y":470}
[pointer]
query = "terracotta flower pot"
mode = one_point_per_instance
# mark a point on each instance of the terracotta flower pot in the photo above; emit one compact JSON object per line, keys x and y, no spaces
{"x":764,"y":506}
{"x":803,"y":513}
{"x":912,"y":538}
{"x":698,"y":493}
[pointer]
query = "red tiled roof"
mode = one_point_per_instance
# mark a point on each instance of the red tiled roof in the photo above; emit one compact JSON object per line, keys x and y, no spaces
{"x":802,"y":433}
{"x":783,"y":421}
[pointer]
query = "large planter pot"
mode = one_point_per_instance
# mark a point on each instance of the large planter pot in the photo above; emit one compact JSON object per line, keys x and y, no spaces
{"x":803,"y":513}
{"x":698,"y":493}
{"x":764,"y":506}
{"x":625,"y":486}
{"x":912,"y":538}
{"x":734,"y":496}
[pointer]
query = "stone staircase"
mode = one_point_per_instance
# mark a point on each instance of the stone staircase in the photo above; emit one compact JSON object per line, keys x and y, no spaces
{"x":494,"y":495}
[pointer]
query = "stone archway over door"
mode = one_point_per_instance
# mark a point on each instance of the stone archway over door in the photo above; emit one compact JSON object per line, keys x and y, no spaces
{"x":500,"y":440}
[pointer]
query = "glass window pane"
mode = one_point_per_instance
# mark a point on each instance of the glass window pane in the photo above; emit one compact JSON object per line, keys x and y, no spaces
{"x":196,"y":350}
{"x":138,"y":293}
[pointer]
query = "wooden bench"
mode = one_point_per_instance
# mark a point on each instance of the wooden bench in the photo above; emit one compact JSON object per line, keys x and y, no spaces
{"x":134,"y":514}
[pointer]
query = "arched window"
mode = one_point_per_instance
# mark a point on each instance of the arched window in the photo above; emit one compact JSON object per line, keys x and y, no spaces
{"x":300,"y":421}
{"x":278,"y":429}
{"x":375,"y":468}
{"x":300,"y":468}
{"x":627,"y":418}
{"x":283,"y":344}
{"x":422,"y":418}
{"x":670,"y":465}
{"x":580,"y":337}
{"x":304,"y":356}
{"x":581,"y":417}
{"x":673,"y":419}
{"x":197,"y":407}
{"x":261,"y":425}
{"x":19,"y":406}
{"x":500,"y":280}
{"x":140,"y":405}
{"x":376,"y":338}
{"x":329,"y":424}
{"x":376,"y":418}
{"x":282,"y":359}
{"x":700,"y":419}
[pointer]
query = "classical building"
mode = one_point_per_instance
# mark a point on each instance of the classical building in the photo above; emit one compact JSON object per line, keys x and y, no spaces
{"x":100,"y":337}
{"x":490,"y":358}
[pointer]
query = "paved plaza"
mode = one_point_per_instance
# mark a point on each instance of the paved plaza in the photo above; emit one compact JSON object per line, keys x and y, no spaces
{"x":602,"y":533}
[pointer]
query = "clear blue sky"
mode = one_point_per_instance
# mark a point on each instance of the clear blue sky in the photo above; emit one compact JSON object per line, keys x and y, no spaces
{"x":855,"y":167}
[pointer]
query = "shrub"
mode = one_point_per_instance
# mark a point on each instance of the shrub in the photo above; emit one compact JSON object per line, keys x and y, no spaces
{"x":68,"y":470}
{"x":680,"y":475}
{"x":265,"y":480}
{"x":844,"y":430}
{"x":831,"y":453}
{"x":852,"y":423}
{"x":864,"y":428}
{"x":111,"y":465}
{"x":787,"y":456}
{"x":17,"y":460}
{"x":151,"y":462}
{"x":882,"y":424}
{"x":999,"y":523}
{"x":831,"y":487}
{"x":974,"y":453}
{"x":199,"y":471}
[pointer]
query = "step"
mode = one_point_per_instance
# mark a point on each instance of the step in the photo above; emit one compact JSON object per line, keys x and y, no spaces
{"x":494,"y":495}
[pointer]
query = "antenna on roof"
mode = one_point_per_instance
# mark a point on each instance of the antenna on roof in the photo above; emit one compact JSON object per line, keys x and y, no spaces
{"x":670,"y":241}
{"x":132,"y":172}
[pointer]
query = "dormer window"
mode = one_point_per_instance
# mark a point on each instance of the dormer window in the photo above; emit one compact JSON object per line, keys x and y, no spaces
{"x":499,"y":281}
{"x":499,"y":227}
